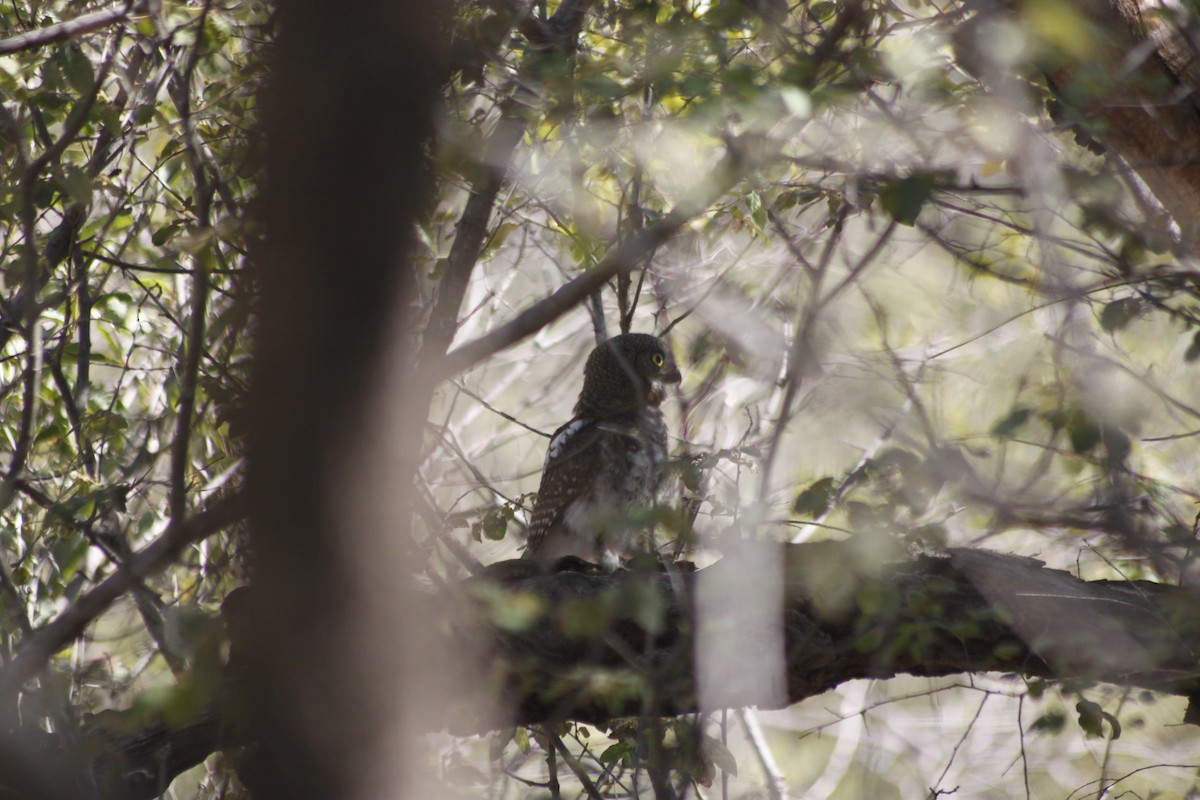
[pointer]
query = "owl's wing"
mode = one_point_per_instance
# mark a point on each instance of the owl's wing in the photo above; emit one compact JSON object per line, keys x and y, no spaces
{"x":572,"y":463}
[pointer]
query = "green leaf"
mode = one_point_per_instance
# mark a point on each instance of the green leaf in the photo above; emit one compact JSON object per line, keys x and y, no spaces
{"x":43,"y":193}
{"x":757,"y":212}
{"x":1193,"y":351}
{"x":814,"y":501}
{"x":621,"y":751}
{"x":498,"y":237}
{"x":1119,"y":313}
{"x":1091,"y":718}
{"x":904,"y":199}
{"x":77,"y":69}
{"x":1005,"y":428}
{"x":77,"y":185}
{"x":108,"y":115}
{"x":720,"y":754}
{"x":604,"y":86}
{"x":67,"y":554}
{"x":106,"y":423}
{"x":165,"y":234}
{"x":1084,"y":433}
{"x":494,"y":526}
{"x":49,"y":433}
{"x":1050,"y":722}
{"x":823,"y":11}
{"x":50,"y":100}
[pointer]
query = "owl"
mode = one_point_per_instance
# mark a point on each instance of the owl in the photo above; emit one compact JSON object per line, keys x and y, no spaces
{"x":608,"y":459}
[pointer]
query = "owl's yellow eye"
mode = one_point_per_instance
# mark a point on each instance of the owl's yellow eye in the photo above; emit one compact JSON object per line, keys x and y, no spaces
{"x":656,"y":359}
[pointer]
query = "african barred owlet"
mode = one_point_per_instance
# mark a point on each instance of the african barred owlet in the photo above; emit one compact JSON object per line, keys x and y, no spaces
{"x":608,"y":459}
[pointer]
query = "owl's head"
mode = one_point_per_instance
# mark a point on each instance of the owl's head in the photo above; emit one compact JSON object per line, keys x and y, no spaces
{"x":626,"y":373}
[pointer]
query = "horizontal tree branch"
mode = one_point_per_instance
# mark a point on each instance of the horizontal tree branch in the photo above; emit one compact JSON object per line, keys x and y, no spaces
{"x":854,"y":609}
{"x":844,"y":616}
{"x":67,"y":29}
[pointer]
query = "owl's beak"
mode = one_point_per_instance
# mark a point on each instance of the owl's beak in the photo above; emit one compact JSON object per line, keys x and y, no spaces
{"x":672,"y":376}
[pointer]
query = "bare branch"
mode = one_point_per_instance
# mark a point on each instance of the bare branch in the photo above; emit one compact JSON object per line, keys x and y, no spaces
{"x":189,"y":361}
{"x":472,"y":228}
{"x":622,"y":258}
{"x":70,"y":28}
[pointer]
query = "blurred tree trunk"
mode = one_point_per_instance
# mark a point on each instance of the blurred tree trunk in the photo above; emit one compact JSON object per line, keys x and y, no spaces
{"x":348,"y":114}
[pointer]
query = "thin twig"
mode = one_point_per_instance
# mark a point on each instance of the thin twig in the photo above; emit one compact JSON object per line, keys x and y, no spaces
{"x":26,"y":305}
{"x":459,"y":385}
{"x":73,"y":415}
{"x":1024,"y":755}
{"x":935,"y":792}
{"x":798,"y":353}
{"x":573,"y":764}
{"x":776,"y":783}
{"x":189,"y":362}
{"x":126,"y":265}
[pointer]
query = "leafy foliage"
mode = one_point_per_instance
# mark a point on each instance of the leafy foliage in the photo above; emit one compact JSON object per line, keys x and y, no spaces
{"x":130,"y":166}
{"x":915,"y":305}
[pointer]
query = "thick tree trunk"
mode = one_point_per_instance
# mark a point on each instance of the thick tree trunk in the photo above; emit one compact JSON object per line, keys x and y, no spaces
{"x":348,"y":114}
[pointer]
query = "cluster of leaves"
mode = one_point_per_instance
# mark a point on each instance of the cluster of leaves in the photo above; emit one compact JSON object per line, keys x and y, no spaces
{"x":622,"y":749}
{"x":130,"y":161}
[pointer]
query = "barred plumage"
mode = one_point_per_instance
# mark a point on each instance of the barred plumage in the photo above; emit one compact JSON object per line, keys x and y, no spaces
{"x":607,"y":460}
